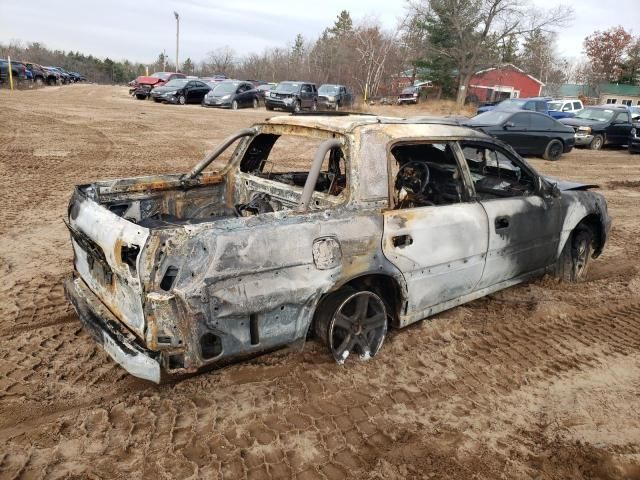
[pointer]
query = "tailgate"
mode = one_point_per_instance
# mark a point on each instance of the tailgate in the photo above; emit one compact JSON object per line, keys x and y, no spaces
{"x":107,"y":256}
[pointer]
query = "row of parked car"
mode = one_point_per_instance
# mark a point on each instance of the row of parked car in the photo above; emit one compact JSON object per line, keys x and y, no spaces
{"x":548,"y":128}
{"x":28,"y":72}
{"x":219,"y":91}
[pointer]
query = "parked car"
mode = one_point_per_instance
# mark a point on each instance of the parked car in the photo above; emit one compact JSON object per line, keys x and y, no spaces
{"x":635,"y":113}
{"x":334,"y":97}
{"x":263,"y":89}
{"x":63,"y":76}
{"x":77,"y":77}
{"x":174,"y":273}
{"x":38,"y":72}
{"x":53,"y":76}
{"x":293,"y":97}
{"x":18,"y":72}
{"x":564,"y":108}
{"x":141,"y":87}
{"x":534,"y":104}
{"x":180,"y":91}
{"x":232,"y":94}
{"x":529,"y":133}
{"x":409,"y":95}
{"x":602,"y":125}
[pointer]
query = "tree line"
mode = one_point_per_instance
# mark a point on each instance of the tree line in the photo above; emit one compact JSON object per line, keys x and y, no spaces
{"x":445,"y":41}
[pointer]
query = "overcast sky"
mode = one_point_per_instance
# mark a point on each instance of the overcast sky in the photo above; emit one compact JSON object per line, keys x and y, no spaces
{"x":140,"y":29}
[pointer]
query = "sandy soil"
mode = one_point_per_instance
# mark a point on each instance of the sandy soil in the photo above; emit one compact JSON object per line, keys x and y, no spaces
{"x":539,"y":381}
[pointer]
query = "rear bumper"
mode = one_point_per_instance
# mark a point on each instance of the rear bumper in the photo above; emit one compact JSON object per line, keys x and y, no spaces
{"x":115,"y":339}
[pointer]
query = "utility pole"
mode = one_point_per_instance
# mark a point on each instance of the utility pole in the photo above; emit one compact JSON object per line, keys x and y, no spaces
{"x":177,"y":41}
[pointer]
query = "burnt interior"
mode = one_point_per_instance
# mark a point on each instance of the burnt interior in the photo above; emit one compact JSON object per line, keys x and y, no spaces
{"x":170,"y":202}
{"x":426,"y":175}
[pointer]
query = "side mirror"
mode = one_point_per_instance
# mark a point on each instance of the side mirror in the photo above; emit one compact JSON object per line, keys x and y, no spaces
{"x":550,"y":189}
{"x":508,"y":125}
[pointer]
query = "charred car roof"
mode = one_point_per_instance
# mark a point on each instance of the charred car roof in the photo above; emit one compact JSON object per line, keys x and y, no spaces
{"x":393,"y":126}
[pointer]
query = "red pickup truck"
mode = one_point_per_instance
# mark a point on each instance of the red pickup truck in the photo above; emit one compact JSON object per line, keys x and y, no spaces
{"x":141,"y":87}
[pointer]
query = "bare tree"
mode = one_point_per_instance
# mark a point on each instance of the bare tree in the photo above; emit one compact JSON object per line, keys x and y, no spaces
{"x":221,"y":60}
{"x":476,"y":28}
{"x":372,"y":47}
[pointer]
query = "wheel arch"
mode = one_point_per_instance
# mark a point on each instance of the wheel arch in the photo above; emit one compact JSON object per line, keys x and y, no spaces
{"x":390,"y":288}
{"x":593,"y":222}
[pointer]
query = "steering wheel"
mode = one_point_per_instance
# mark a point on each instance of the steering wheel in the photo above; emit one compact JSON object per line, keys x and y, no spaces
{"x":417,"y":180}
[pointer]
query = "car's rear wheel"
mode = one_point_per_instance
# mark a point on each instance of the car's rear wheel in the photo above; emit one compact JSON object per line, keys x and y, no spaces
{"x":254,"y":104}
{"x":314,"y":106}
{"x":352,"y":320}
{"x":575,"y":258}
{"x":597,"y":143}
{"x":554,"y":150}
{"x":182,"y":99}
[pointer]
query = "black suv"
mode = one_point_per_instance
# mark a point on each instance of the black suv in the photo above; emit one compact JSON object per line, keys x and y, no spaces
{"x":333,"y":97}
{"x":603,"y":125}
{"x":292,"y":96}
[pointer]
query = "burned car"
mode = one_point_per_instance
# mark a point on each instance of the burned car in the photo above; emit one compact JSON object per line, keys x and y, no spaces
{"x":332,"y":226}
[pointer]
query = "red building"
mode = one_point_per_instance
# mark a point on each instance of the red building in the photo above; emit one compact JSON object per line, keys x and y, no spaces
{"x":506,"y":81}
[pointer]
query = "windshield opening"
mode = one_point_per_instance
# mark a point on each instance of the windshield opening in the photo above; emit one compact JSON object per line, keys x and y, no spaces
{"x":328,"y":90}
{"x":225,"y":88}
{"x":287,"y":87}
{"x":160,"y":75}
{"x":595,"y":114}
{"x":555,"y":106}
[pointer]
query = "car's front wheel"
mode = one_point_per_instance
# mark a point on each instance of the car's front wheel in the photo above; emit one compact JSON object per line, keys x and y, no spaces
{"x":352,"y":320}
{"x":234,"y":105}
{"x":254,"y":104}
{"x":297,"y":107}
{"x":182,"y":99}
{"x":554,"y":150}
{"x":140,"y":96}
{"x":597,"y":142}
{"x":575,"y":258}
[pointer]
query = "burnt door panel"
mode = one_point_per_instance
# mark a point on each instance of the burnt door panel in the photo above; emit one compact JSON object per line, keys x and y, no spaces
{"x":523,"y":236}
{"x":440,"y":250}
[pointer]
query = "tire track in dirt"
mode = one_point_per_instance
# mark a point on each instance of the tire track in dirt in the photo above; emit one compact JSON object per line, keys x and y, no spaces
{"x":465,"y":372}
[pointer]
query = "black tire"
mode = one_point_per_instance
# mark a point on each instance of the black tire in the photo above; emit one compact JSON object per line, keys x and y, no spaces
{"x":297,"y":107}
{"x":156,"y":99}
{"x":234,"y":105}
{"x":255,"y":103}
{"x":351,"y":320}
{"x":268,"y":107}
{"x":314,"y":107}
{"x":182,"y":100}
{"x":141,"y":96}
{"x":554,"y":150}
{"x":597,"y":143}
{"x":574,"y":261}
{"x":337,"y":107}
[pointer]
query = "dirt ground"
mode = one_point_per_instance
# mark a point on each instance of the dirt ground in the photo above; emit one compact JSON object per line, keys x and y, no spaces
{"x":539,"y":381}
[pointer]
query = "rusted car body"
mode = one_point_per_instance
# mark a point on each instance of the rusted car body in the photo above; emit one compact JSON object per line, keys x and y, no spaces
{"x":175,"y":273}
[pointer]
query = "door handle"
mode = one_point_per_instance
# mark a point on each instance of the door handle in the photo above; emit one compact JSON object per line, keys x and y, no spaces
{"x":402,"y":241}
{"x":502,"y":223}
